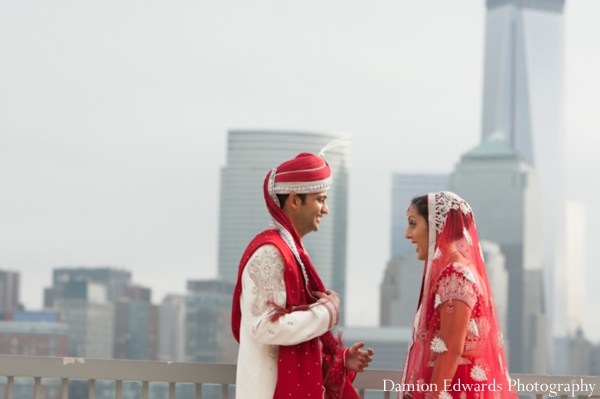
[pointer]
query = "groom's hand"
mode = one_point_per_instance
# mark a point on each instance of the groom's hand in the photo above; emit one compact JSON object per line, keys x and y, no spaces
{"x":358,"y":359}
{"x":331,"y":295}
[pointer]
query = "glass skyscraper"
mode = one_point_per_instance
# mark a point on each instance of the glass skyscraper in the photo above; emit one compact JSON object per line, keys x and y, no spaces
{"x":251,"y":154}
{"x":523,"y":103}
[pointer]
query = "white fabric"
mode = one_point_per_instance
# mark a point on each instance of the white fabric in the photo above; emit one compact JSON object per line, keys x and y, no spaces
{"x":262,"y":281}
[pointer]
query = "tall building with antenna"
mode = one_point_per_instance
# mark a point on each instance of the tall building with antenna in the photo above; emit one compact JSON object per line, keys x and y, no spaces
{"x":523,"y":104}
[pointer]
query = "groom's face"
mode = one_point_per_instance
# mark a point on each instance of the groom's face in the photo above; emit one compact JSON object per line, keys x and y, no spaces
{"x":305,"y":214}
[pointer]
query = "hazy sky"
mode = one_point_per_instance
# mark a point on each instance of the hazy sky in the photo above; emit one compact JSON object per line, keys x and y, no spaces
{"x":114,"y":119}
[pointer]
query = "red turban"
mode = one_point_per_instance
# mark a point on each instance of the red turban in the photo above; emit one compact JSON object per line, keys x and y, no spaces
{"x":305,"y":174}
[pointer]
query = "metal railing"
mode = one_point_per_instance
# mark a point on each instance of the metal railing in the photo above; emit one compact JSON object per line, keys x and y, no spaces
{"x":146,"y":372}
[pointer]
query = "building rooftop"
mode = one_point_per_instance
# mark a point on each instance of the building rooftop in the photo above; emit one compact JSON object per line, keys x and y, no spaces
{"x":10,"y":327}
{"x":492,"y":148}
{"x":545,"y":5}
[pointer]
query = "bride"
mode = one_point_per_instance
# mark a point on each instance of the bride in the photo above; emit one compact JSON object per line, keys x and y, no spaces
{"x":456,"y":348}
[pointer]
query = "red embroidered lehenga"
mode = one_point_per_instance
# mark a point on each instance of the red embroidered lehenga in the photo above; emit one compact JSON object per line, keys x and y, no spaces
{"x":456,"y":333}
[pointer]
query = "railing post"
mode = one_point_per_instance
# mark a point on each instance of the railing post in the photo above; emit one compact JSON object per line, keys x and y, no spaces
{"x":119,"y":389}
{"x":198,"y":391}
{"x":10,"y":388}
{"x":171,"y":390}
{"x":65,"y":388}
{"x":37,"y":388}
{"x":145,"y":390}
{"x":92,"y":389}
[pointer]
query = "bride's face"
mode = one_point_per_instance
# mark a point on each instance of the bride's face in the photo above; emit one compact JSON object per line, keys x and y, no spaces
{"x":417,"y":232}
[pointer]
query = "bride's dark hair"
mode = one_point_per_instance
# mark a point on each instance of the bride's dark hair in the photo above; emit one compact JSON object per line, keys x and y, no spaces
{"x":420,"y":204}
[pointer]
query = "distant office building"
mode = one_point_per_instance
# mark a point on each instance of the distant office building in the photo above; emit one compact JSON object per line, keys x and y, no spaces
{"x":389,"y":344}
{"x":400,"y":291}
{"x":524,"y":76}
{"x":172,"y":329}
{"x":136,"y":325}
{"x":33,"y":339}
{"x":34,"y":316}
{"x":250,"y":156}
{"x":90,"y":318}
{"x":139,"y":293}
{"x":9,"y":290}
{"x":406,"y":186}
{"x":114,"y":280}
{"x":576,"y":262}
{"x":495,"y":265}
{"x":523,"y":103}
{"x":36,"y":333}
{"x":582,"y":357}
{"x":208,"y":322}
{"x":503,"y":190}
{"x":51,"y":294}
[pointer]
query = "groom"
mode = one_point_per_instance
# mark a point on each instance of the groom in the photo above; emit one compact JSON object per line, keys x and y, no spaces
{"x":282,"y":314}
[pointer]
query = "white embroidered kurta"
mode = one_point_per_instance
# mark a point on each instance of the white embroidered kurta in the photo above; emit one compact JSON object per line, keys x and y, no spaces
{"x":262,"y":281}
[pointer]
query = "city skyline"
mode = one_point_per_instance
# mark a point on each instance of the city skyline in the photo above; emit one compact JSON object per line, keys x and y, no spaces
{"x":113,"y":131}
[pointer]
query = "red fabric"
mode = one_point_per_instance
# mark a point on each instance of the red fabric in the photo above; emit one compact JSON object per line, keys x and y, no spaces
{"x":305,"y":167}
{"x":301,"y":369}
{"x":455,"y":264}
{"x":335,"y":374}
{"x":464,"y":382}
